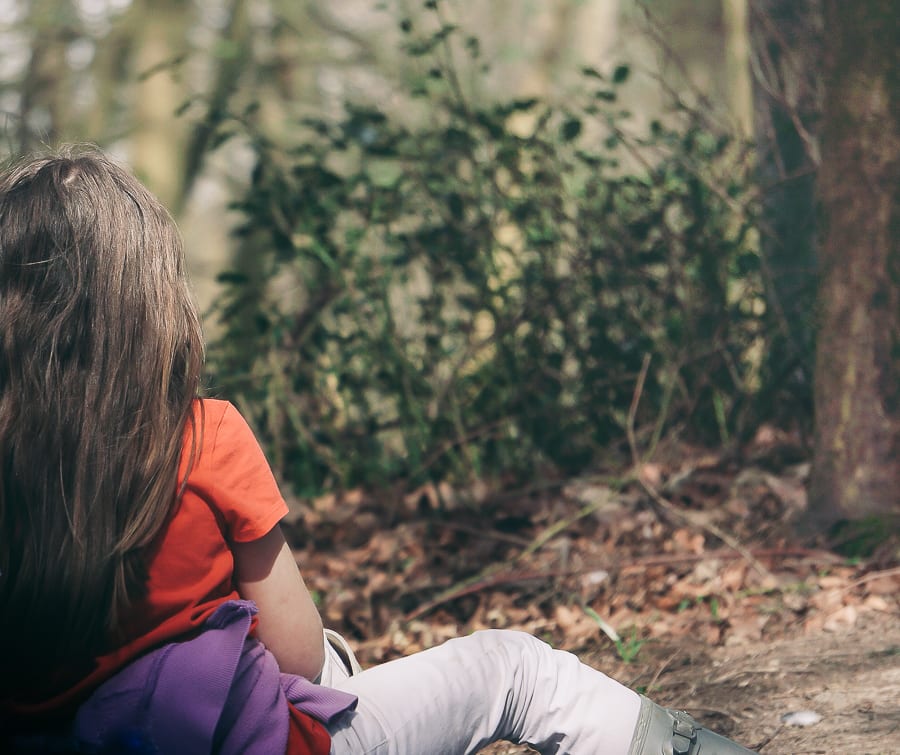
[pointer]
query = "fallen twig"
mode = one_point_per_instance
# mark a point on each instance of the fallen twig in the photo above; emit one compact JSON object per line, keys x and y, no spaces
{"x":871,"y":577}
{"x":484,"y":580}
{"x":493,"y":576}
{"x":659,"y":671}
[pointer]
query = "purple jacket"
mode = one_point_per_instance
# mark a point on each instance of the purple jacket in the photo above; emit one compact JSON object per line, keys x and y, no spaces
{"x":221,"y":692}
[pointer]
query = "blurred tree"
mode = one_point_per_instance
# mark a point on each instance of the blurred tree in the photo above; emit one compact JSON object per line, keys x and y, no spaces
{"x":856,"y":470}
{"x":46,"y":83}
{"x":158,"y":137}
{"x":233,"y":57}
{"x":786,"y":50}
{"x":109,"y":73}
{"x":737,"y":59}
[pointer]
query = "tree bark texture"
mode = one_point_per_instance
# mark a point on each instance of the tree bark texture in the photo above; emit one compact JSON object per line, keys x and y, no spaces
{"x":856,"y":469}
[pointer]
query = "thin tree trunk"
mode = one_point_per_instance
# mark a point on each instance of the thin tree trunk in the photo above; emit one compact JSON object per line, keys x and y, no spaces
{"x":46,"y":85}
{"x":737,"y":56}
{"x":228,"y":73}
{"x":109,"y":73}
{"x":158,"y":137}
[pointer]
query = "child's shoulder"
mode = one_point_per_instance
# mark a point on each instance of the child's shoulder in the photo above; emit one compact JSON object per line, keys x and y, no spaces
{"x":212,"y":409}
{"x":210,"y":421}
{"x":220,"y":428}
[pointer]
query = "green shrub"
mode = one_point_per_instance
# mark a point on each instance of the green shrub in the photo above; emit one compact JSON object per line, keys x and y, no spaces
{"x":473,"y":298}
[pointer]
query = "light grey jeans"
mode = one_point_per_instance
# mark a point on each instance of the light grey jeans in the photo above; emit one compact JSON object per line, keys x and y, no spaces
{"x":490,"y":686}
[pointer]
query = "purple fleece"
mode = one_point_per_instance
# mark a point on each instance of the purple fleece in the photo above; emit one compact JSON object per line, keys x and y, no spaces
{"x":220,"y":692}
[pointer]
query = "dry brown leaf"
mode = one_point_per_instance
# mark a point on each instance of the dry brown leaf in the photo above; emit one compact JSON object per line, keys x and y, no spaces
{"x":843,"y":618}
{"x":877,"y":603}
{"x":886,"y":585}
{"x":791,"y":492}
{"x":795,"y":601}
{"x":712,"y":634}
{"x":650,"y":474}
{"x":827,"y":600}
{"x":732,"y":577}
{"x":747,"y":629}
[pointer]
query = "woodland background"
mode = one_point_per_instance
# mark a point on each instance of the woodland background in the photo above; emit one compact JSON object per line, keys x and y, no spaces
{"x":581,"y":316}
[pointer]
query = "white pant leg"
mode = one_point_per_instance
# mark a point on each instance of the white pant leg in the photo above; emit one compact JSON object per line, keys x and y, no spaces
{"x":489,"y":686}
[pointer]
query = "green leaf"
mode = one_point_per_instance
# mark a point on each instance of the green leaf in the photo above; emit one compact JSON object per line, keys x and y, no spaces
{"x":231,"y":276}
{"x":227,"y":49}
{"x":570,"y":129}
{"x":525,"y":103}
{"x":621,"y":73}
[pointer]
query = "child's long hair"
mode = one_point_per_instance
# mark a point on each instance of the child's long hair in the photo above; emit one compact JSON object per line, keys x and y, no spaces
{"x":100,"y":360}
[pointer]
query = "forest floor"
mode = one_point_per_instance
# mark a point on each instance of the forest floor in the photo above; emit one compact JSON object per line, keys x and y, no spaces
{"x":683,"y":580}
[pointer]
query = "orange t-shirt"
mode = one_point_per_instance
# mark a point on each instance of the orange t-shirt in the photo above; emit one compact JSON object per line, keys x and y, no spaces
{"x":231,"y":497}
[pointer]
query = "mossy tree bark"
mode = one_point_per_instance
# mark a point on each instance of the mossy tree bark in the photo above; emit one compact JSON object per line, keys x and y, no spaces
{"x":856,"y":470}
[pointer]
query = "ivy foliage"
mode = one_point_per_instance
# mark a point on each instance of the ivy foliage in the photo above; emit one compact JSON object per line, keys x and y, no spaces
{"x":477,"y":295}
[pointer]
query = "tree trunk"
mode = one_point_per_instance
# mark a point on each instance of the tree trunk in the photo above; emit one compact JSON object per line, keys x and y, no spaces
{"x":737,"y":55}
{"x":856,"y":469}
{"x":46,"y":85}
{"x":157,"y":141}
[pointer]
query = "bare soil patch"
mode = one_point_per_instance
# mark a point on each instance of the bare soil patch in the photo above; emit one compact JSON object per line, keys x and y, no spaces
{"x":848,"y":677}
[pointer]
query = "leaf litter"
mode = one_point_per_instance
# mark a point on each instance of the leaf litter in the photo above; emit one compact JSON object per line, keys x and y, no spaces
{"x":651,"y":597}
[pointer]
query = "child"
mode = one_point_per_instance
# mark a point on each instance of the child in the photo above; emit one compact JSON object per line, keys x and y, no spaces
{"x":148,"y":600}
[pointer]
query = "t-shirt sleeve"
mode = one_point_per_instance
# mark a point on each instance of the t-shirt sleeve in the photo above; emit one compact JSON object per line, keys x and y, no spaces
{"x":242,"y":484}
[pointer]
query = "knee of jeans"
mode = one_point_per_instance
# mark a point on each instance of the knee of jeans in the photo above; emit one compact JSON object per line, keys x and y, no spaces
{"x":525,"y":661}
{"x":511,"y":643}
